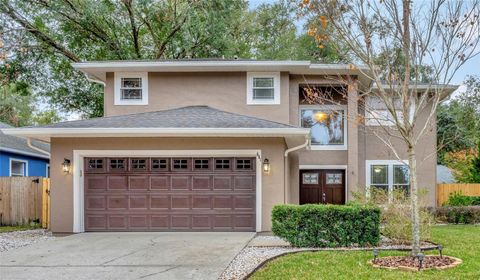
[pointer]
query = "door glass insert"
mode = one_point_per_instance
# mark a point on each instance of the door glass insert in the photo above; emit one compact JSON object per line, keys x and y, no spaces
{"x":310,"y":178}
{"x":334,"y":178}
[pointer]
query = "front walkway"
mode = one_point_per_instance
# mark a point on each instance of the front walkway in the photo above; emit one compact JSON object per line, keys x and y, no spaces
{"x":125,"y":256}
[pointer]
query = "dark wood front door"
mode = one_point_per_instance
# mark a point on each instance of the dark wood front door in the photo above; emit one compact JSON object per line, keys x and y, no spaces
{"x":322,"y":186}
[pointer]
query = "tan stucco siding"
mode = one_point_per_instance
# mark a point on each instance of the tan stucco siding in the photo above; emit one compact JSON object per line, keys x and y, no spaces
{"x":225,"y":91}
{"x":62,"y":184}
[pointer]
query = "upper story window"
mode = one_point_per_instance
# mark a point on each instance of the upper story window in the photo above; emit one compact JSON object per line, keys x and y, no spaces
{"x":263,"y":88}
{"x":131,"y":88}
{"x":328,"y":126}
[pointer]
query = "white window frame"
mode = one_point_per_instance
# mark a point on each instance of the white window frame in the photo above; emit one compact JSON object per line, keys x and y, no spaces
{"x":390,"y":164}
{"x":276,"y":88}
{"x":47,"y":167}
{"x":25,"y":168}
{"x":345,"y":125}
{"x":118,"y":83}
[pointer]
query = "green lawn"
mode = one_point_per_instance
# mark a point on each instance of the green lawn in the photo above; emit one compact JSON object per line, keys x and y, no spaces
{"x":17,"y":228}
{"x":462,"y":241}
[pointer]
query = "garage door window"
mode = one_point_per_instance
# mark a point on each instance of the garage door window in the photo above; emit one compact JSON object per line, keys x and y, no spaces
{"x":202,"y":164}
{"x":95,"y":165}
{"x":117,"y":164}
{"x":179,"y":164}
{"x":139,"y":164}
{"x":244,"y":164}
{"x":222,"y":164}
{"x":159,"y":164}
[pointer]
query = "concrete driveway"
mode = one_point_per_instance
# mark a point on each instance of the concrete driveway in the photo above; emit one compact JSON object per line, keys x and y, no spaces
{"x":125,"y":256}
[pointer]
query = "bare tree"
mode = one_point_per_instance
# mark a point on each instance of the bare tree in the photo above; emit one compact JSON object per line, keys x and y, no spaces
{"x":411,"y":51}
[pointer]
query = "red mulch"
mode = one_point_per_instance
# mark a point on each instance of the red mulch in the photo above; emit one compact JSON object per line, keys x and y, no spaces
{"x":408,"y":261}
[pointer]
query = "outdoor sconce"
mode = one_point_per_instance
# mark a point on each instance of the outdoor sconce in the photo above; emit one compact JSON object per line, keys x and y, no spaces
{"x":66,"y":166}
{"x":266,"y":166}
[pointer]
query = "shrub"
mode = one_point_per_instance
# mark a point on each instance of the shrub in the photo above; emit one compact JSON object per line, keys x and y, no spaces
{"x":458,"y":214}
{"x":314,"y":225}
{"x":395,"y":218}
{"x":458,"y":199}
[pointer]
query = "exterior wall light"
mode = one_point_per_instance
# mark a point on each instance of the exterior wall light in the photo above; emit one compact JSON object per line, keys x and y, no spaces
{"x":266,"y":166}
{"x":66,"y":166}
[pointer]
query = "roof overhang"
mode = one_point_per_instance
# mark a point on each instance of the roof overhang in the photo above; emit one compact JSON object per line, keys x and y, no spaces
{"x":444,"y":90}
{"x":25,"y":153}
{"x":293,"y":136}
{"x":97,"y":70}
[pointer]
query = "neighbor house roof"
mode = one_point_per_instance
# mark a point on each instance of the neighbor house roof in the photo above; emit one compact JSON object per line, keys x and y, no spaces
{"x":191,"y":121}
{"x":18,"y":145}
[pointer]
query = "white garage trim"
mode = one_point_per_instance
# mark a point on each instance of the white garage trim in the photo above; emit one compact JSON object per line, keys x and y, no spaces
{"x":78,"y":188}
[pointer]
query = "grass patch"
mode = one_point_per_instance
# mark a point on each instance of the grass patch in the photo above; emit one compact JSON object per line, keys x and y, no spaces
{"x":18,"y":228}
{"x":461,"y":241}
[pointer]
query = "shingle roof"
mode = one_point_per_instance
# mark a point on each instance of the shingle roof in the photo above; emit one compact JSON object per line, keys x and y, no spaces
{"x":13,"y":143}
{"x":185,"y":117}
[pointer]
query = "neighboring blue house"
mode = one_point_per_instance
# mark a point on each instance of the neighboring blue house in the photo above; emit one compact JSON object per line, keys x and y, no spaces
{"x":18,"y":159}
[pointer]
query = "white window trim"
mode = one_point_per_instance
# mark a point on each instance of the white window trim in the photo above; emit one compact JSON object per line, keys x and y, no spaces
{"x":390,"y":163}
{"x":276,"y":88}
{"x":117,"y":85}
{"x":345,"y":126}
{"x":25,"y":171}
{"x":78,"y":183}
{"x":47,"y":166}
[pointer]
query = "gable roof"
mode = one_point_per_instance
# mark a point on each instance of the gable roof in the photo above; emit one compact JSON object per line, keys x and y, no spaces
{"x":18,"y":145}
{"x":191,"y":121}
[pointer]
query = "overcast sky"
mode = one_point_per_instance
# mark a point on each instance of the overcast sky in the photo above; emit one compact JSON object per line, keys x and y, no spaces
{"x":470,"y":68}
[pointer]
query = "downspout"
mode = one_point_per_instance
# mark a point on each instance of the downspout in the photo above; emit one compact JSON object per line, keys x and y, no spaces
{"x":30,"y":145}
{"x":285,"y":164}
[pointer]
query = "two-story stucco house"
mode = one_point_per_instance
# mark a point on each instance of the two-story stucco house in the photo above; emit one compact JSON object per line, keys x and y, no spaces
{"x":213,"y":145}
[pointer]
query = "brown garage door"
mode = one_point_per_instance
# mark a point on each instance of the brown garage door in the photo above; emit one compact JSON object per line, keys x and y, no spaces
{"x":169,"y":194}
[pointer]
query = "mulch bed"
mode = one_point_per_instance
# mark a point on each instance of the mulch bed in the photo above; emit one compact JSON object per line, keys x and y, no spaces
{"x":410,"y":263}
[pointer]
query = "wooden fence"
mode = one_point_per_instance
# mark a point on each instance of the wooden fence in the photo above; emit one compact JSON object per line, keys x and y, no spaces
{"x":444,"y":191}
{"x":24,"y":199}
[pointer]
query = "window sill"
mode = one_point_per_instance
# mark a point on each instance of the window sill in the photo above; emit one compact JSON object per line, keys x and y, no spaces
{"x":269,"y":102}
{"x":131,"y":102}
{"x":328,"y":148}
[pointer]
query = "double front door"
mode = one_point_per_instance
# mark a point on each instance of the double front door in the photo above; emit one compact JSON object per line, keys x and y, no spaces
{"x":322,"y":186}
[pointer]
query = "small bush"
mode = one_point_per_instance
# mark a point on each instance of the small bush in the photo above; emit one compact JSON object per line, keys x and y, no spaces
{"x":458,"y":214}
{"x":314,"y":225}
{"x":396,"y":217}
{"x":458,"y":199}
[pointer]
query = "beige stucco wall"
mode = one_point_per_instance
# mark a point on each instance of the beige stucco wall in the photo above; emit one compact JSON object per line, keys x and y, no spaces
{"x":62,"y":184}
{"x":222,"y":90}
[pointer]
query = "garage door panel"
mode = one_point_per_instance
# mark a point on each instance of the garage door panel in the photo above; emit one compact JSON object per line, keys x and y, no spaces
{"x":138,"y":202}
{"x":117,"y":202}
{"x":96,"y":183}
{"x":180,"y":182}
{"x":180,"y":221}
{"x":95,"y":202}
{"x":160,"y":222}
{"x":118,"y":222}
{"x":160,"y":202}
{"x":180,"y":202}
{"x":222,"y":183}
{"x":117,"y":182}
{"x":138,"y":183}
{"x":211,"y":195}
{"x":201,"y":202}
{"x":96,"y":222}
{"x":201,"y":183}
{"x":201,"y":222}
{"x":159,"y":182}
{"x":138,"y":222}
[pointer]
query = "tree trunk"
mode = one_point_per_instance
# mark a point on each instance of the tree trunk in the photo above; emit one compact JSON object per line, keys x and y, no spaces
{"x":412,"y":164}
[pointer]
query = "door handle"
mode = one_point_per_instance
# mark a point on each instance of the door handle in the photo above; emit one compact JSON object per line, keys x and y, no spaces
{"x":324,"y":197}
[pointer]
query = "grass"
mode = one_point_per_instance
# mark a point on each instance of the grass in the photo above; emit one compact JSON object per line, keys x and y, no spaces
{"x":461,"y":241}
{"x":18,"y":228}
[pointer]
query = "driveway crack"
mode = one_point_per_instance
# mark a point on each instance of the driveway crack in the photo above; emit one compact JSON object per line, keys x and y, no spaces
{"x":156,"y":273}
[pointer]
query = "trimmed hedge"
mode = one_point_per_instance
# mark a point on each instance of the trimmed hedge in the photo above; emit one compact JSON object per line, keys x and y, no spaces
{"x":458,"y":214}
{"x":316,"y":225}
